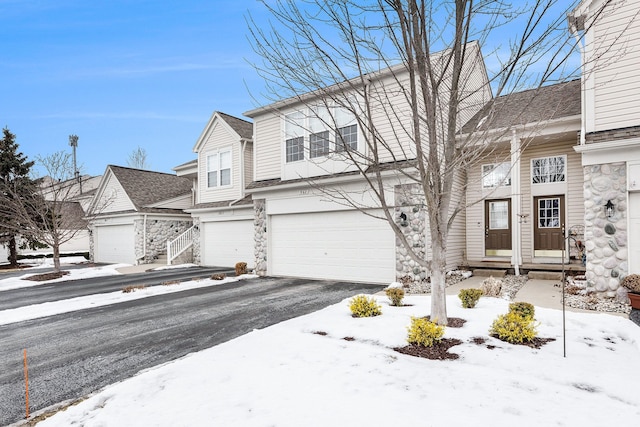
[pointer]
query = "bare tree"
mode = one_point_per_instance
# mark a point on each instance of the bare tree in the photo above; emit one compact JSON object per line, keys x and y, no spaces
{"x":408,"y":71}
{"x":138,"y":159}
{"x":49,"y":213}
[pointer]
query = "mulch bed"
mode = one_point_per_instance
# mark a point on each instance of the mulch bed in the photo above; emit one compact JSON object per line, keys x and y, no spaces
{"x":452,"y":322}
{"x":438,"y":351}
{"x":14,"y":267}
{"x":46,"y":276}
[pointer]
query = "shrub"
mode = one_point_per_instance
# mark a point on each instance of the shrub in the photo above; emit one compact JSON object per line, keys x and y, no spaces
{"x":362,"y":306}
{"x":171,"y":282}
{"x":513,"y":328}
{"x":491,"y":286}
{"x":632,"y":282}
{"x":424,"y":332}
{"x":218,"y":276}
{"x":395,"y":296}
{"x":523,"y":309}
{"x":241,"y":268}
{"x":469,"y":297}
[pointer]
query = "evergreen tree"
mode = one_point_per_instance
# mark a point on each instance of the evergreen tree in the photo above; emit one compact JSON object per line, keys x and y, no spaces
{"x":14,"y":180}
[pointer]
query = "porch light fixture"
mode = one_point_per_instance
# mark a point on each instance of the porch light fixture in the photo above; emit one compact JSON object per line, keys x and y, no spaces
{"x":609,"y":209}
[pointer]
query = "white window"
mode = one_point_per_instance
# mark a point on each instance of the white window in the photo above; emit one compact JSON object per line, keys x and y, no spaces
{"x":548,"y":170}
{"x":499,"y":215}
{"x":495,"y":175}
{"x":319,"y":144}
{"x":295,"y":149}
{"x":347,"y":138}
{"x":294,"y":136}
{"x":549,"y":213}
{"x":219,"y":169}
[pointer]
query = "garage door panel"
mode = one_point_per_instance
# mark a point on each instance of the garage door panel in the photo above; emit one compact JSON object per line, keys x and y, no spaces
{"x":114,"y":244}
{"x":345,"y":245}
{"x":226,"y":243}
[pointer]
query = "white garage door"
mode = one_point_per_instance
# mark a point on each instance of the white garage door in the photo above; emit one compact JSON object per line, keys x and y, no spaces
{"x":332,"y":245}
{"x":114,"y":244}
{"x":226,"y":243}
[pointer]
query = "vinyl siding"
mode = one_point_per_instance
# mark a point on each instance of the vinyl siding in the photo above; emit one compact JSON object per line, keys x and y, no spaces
{"x":267,"y":143}
{"x":573,"y":192}
{"x":219,"y":139}
{"x":248,"y":164}
{"x":616,"y":85}
{"x":113,"y":198}
{"x":457,"y":235}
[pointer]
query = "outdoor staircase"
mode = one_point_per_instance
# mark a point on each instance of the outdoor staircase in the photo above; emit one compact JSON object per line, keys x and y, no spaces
{"x":180,"y":244}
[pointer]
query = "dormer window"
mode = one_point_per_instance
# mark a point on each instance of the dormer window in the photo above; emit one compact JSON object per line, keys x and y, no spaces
{"x":219,"y":169}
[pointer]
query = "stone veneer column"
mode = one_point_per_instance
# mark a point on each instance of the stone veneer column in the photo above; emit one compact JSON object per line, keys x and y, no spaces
{"x":605,"y":238}
{"x":411,"y":218}
{"x":196,"y":242}
{"x":92,"y":230}
{"x":260,"y":236}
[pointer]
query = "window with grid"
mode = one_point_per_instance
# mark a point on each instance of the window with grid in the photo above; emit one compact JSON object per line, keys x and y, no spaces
{"x":548,"y":170}
{"x":295,"y":149}
{"x":347,"y":138}
{"x":495,"y":175}
{"x":319,"y":144}
{"x":219,"y":169}
{"x":549,"y":213}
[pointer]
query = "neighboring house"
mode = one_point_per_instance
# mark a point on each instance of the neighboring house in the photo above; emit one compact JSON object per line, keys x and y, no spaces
{"x":610,"y":138}
{"x":76,"y":195}
{"x":135,"y":212}
{"x":526,"y":193}
{"x":300,"y":229}
{"x":222,"y":212}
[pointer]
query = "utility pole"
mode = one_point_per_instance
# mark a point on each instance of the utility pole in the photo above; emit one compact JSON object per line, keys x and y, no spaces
{"x":73,"y":142}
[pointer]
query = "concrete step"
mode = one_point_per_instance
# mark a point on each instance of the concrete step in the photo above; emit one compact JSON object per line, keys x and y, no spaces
{"x":545,"y":275}
{"x":486,"y":272}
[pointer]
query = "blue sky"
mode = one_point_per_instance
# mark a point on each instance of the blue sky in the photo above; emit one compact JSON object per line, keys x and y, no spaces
{"x":124,"y":73}
{"x":121,"y":74}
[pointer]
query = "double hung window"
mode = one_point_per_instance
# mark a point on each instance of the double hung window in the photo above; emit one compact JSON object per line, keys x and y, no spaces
{"x":219,"y":169}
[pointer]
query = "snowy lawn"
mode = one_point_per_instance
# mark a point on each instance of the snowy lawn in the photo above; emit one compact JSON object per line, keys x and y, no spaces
{"x":289,"y":375}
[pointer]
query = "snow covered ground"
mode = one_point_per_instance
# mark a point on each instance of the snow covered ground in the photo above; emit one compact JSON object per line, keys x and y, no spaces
{"x":289,"y":375}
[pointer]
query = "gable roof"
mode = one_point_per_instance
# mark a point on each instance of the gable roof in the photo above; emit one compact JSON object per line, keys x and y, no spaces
{"x":242,"y":128}
{"x":148,"y":187}
{"x":530,"y":106}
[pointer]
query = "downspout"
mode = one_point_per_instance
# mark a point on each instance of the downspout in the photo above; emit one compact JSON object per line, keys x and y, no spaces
{"x":244,"y":147}
{"x":516,"y":235}
{"x":576,"y":24}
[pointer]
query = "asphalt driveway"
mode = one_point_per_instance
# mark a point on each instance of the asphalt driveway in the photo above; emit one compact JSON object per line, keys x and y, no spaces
{"x":74,"y":354}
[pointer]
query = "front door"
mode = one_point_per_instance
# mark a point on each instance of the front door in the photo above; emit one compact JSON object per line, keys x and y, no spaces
{"x":548,"y":230}
{"x":497,"y":227}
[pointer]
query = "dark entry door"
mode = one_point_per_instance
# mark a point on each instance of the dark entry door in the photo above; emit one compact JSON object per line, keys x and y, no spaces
{"x":497,"y":227}
{"x":548,"y":231}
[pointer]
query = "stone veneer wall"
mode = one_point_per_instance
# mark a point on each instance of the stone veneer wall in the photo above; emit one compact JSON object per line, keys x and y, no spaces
{"x":158,"y":232}
{"x":260,"y":237}
{"x":411,"y":217}
{"x":92,"y":230}
{"x":197,"y":255}
{"x":605,"y":238}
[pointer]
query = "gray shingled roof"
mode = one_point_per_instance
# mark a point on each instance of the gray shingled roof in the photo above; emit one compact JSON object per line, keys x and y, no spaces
{"x":147,"y":187}
{"x":529,"y":106}
{"x":242,"y":127}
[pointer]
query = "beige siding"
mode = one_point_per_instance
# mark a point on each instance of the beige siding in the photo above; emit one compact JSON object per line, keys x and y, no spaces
{"x":475,"y":212}
{"x":113,"y":198}
{"x":457,"y":234}
{"x":573,"y":193}
{"x":220,"y":138}
{"x":616,"y":85}
{"x":248,"y":164}
{"x":267,"y":147}
{"x":574,"y":198}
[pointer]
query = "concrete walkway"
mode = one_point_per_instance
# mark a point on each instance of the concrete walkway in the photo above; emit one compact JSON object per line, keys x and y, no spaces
{"x":541,"y":293}
{"x":140,"y":268}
